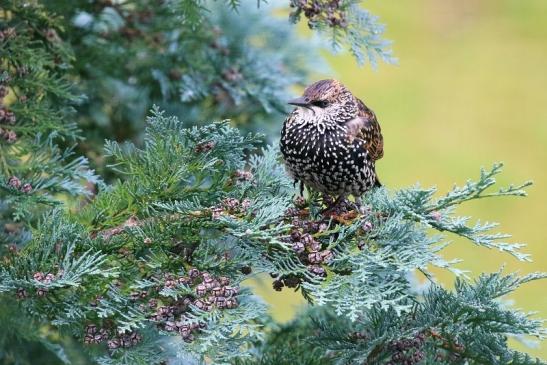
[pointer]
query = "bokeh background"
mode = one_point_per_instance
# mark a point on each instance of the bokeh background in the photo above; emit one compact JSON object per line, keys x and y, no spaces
{"x":470,"y":89}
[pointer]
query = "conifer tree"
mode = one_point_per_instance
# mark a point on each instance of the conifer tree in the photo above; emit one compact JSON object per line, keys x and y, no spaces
{"x":147,"y":267}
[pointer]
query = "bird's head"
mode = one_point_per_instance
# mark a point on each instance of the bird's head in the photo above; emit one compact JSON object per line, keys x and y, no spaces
{"x":329,"y":98}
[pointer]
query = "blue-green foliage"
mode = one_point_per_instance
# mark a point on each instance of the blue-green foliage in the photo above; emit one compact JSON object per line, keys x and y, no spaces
{"x":96,"y":274}
{"x":34,"y":165}
{"x":347,"y":25}
{"x":198,"y":60}
{"x":467,"y":326}
{"x":86,"y":264}
{"x":186,"y":201}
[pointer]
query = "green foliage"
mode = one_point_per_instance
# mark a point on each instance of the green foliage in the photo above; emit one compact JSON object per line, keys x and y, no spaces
{"x":197,"y":60}
{"x":149,"y":268}
{"x":82,"y":269}
{"x":186,"y":203}
{"x":289,"y":343}
{"x":347,"y":24}
{"x":36,"y":106}
{"x":22,"y":344}
{"x":464,"y":326}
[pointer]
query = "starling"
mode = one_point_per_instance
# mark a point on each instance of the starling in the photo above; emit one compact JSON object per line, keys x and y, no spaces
{"x":331,"y":141}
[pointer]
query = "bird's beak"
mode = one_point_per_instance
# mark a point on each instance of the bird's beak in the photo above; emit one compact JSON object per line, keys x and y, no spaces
{"x":301,"y":101}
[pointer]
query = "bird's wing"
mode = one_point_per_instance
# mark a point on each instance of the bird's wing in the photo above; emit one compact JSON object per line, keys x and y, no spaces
{"x":367,"y":128}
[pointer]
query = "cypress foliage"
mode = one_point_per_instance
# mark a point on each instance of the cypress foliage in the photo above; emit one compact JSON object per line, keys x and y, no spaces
{"x":148,"y":266}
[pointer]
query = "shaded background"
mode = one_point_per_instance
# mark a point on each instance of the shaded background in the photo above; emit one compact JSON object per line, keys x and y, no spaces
{"x":470,"y":90}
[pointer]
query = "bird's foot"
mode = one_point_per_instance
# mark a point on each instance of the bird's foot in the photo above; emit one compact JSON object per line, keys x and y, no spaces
{"x":342,"y":206}
{"x":327,"y":200}
{"x":341,"y":211}
{"x":335,"y":207}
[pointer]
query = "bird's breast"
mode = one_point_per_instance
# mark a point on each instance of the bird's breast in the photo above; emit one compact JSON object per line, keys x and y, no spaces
{"x":326,"y":158}
{"x":314,"y":146}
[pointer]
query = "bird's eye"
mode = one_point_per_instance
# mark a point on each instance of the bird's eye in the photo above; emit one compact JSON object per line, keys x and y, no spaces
{"x":321,"y":103}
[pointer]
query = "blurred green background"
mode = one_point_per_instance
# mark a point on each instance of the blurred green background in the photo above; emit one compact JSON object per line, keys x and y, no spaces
{"x":470,"y":89}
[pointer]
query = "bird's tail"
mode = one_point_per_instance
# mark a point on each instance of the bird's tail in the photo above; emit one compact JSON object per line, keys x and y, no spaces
{"x":377,"y":183}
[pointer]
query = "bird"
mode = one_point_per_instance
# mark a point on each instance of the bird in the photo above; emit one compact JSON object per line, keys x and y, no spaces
{"x":331,"y":141}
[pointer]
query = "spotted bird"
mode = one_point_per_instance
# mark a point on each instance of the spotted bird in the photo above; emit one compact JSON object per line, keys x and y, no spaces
{"x":331,"y":141}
